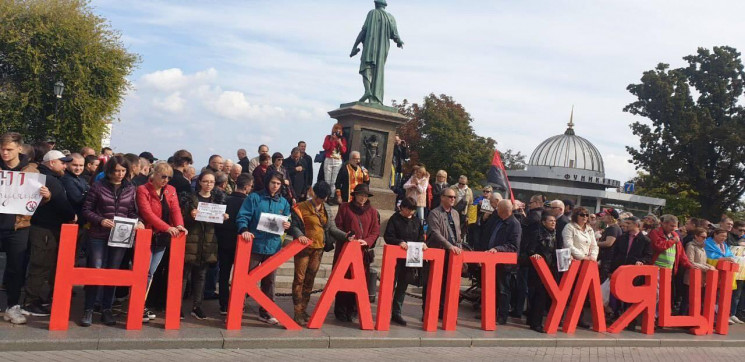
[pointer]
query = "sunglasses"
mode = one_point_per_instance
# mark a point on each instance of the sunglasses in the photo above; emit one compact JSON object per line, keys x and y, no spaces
{"x":449,"y":196}
{"x":462,"y":184}
{"x":486,"y":192}
{"x":583,"y":215}
{"x":165,"y":177}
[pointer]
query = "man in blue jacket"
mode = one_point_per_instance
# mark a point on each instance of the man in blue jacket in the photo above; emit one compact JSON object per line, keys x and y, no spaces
{"x":504,"y":233}
{"x":265,"y":244}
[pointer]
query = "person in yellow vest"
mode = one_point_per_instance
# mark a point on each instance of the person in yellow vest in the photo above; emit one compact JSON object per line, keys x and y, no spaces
{"x":350,"y":175}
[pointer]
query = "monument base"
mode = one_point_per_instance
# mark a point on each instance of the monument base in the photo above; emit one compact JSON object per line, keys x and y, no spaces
{"x":370,"y":129}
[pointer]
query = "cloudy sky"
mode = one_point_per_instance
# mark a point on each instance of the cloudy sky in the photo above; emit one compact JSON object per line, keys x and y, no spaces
{"x":218,"y":75}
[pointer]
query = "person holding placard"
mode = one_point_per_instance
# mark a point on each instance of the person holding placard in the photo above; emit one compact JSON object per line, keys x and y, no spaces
{"x":113,"y":196}
{"x":160,"y":211}
{"x":14,"y":229}
{"x":201,"y":243}
{"x":265,"y":244}
{"x":404,"y":226}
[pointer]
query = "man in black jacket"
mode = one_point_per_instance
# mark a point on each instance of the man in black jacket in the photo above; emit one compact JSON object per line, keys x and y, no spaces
{"x":556,"y":208}
{"x":45,"y":232}
{"x":181,"y":160}
{"x":75,"y":186}
{"x":503,"y":232}
{"x":307,"y":161}
{"x":632,"y":247}
{"x":530,"y":223}
{"x":227,"y":234}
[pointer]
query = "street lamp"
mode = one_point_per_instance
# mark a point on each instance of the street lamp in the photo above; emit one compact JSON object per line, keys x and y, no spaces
{"x":59,"y":88}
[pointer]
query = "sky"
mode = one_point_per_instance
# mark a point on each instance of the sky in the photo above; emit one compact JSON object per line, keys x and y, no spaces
{"x":219,"y":75}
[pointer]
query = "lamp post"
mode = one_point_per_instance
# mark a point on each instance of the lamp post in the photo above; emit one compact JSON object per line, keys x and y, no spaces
{"x":59,"y":88}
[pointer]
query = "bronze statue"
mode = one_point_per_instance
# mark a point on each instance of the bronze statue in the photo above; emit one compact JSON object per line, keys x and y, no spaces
{"x":379,"y":28}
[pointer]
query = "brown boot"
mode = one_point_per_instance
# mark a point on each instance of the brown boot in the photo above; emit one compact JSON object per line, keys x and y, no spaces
{"x":299,"y":319}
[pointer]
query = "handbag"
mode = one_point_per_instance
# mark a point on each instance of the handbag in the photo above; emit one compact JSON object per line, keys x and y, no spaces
{"x":368,"y":255}
{"x":320,"y":157}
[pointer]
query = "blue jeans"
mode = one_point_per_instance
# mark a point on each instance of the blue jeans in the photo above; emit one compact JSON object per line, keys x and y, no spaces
{"x":102,"y":256}
{"x":736,"y":297}
{"x":154,"y":262}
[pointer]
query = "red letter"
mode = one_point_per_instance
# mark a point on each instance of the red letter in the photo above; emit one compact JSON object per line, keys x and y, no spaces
{"x":643,"y":297}
{"x":68,"y":275}
{"x":245,"y":283}
{"x":175,"y":281}
{"x":710,"y":300}
{"x":694,"y":319}
{"x":589,"y":278}
{"x":559,"y":293}
{"x":727,"y":272}
{"x":391,"y":254}
{"x":350,"y":258}
{"x":488,"y":263}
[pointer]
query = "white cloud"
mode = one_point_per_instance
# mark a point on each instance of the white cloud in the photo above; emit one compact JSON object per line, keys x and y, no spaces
{"x":173,"y":103}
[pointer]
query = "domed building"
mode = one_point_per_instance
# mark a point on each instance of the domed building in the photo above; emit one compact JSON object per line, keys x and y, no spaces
{"x":567,"y":166}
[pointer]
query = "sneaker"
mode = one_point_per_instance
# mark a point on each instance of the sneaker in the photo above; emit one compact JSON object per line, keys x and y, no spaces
{"x":150,"y":314}
{"x":107,"y":317}
{"x":87,"y":318}
{"x":223,"y":311}
{"x":269,"y":320}
{"x":732,"y":320}
{"x":198,"y":313}
{"x":14,"y":315}
{"x":736,"y":320}
{"x":36,"y":310}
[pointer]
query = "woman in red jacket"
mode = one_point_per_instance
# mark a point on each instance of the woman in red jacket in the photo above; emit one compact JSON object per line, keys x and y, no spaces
{"x":160,"y":211}
{"x":334,"y":147}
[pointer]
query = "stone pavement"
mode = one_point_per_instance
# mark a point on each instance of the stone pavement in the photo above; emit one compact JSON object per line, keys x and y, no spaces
{"x":211,"y":334}
{"x":573,"y":354}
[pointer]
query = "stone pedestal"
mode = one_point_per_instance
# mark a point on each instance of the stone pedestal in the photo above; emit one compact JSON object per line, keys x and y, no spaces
{"x":371,"y":130}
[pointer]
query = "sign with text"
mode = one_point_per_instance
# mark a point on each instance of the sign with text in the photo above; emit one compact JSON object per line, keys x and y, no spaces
{"x":19,"y":192}
{"x":214,"y":213}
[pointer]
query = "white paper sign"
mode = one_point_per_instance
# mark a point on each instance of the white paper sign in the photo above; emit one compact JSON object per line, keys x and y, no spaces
{"x":486,"y":206}
{"x":272,"y":223}
{"x":213,"y":213}
{"x":19,"y":192}
{"x":563,"y":259}
{"x":414,"y":255}
{"x":123,"y":233}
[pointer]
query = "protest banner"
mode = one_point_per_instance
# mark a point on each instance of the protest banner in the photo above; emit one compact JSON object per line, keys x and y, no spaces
{"x":19,"y":192}
{"x":212,"y":213}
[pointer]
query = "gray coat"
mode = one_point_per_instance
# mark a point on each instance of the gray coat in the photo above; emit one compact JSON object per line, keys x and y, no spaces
{"x":439,"y":229}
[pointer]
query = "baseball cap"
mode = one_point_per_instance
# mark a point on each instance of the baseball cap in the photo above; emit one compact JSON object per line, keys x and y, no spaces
{"x":148,"y":156}
{"x":611,"y":212}
{"x":56,"y":155}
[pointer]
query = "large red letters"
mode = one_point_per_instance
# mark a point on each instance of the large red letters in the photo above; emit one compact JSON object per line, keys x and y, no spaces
{"x":488,"y":263}
{"x":68,"y":275}
{"x":391,"y":254}
{"x":349,"y":259}
{"x":559,"y":293}
{"x":694,"y":319}
{"x":245,"y":283}
{"x":642,"y":297}
{"x":175,"y":281}
{"x":588,"y":285}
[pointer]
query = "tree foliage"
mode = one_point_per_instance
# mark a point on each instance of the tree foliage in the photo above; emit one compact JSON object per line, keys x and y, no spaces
{"x":695,"y":134}
{"x":441,"y":137}
{"x":513,"y":160}
{"x":681,"y":199}
{"x":45,"y":41}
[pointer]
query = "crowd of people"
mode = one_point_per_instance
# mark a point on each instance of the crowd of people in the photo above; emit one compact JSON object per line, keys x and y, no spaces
{"x":92,"y":189}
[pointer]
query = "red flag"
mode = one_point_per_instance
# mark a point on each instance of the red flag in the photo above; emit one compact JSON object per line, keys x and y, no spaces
{"x":497,"y":175}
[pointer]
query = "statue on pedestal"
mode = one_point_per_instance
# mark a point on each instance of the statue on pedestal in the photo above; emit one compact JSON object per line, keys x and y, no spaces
{"x":378,"y":30}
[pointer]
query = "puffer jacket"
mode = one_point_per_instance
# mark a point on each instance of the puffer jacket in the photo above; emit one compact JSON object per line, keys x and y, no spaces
{"x":151,"y":209}
{"x":102,"y":202}
{"x":201,"y":243}
{"x":17,"y":222}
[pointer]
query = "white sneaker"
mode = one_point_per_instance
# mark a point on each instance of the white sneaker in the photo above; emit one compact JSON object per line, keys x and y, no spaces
{"x":736,"y":320}
{"x":732,"y":320}
{"x":270,"y":320}
{"x":14,"y":315}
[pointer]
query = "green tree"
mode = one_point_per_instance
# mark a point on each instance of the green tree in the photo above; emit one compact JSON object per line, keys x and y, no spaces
{"x":681,"y":199}
{"x":46,"y":41}
{"x":440,"y":136}
{"x":513,"y":160}
{"x":696,"y":131}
